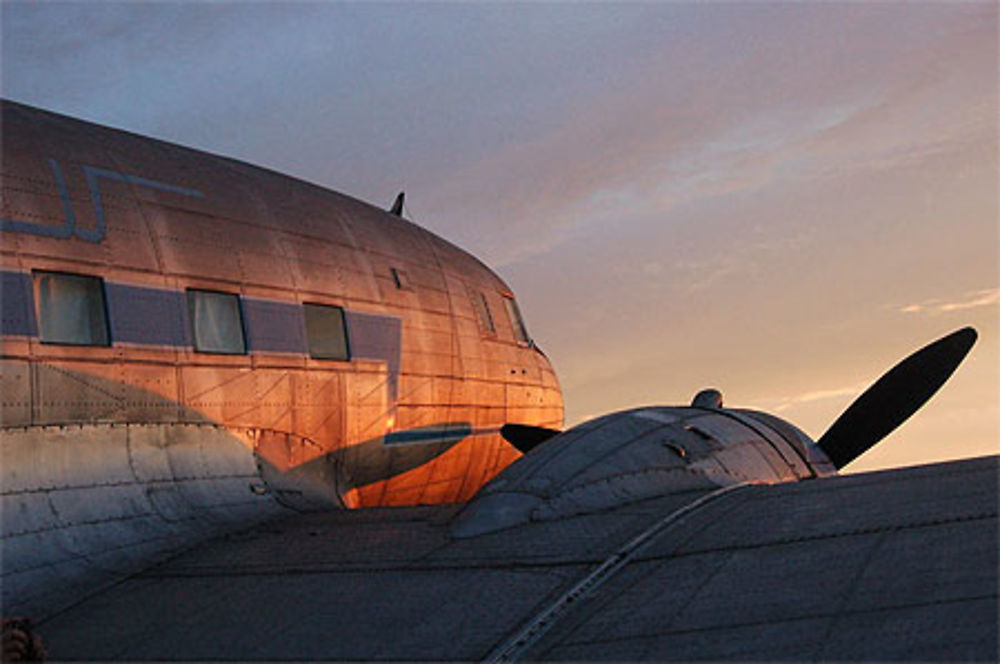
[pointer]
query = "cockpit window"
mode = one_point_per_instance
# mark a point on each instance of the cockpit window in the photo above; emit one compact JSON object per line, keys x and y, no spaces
{"x":483,"y":313}
{"x":326,"y":332}
{"x":217,"y":322}
{"x":71,"y":309}
{"x":516,"y":322}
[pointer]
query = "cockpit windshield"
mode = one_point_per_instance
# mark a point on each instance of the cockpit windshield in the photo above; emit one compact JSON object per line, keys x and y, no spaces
{"x":516,"y":322}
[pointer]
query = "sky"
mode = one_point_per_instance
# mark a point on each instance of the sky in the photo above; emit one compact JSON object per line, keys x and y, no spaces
{"x":780,"y":200}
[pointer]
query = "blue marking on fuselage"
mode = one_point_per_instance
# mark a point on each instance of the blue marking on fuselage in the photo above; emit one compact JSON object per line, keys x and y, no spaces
{"x":69,"y":227}
{"x":377,"y":337}
{"x":446,"y":433}
{"x":146,"y":315}
{"x":158,"y":317}
{"x":275,"y":326}
{"x":452,"y":432}
{"x":18,"y":314}
{"x":93,"y":173}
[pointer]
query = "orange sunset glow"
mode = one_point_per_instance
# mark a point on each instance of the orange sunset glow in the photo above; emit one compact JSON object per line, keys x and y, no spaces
{"x":777,"y":200}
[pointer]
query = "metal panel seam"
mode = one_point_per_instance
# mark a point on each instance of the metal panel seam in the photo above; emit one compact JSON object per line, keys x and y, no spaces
{"x":515,"y":647}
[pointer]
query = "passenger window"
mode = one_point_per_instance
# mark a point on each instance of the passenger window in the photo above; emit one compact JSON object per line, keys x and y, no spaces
{"x":71,"y":309}
{"x":326,"y":332}
{"x":217,"y":321}
{"x":516,"y":322}
{"x":483,"y":313}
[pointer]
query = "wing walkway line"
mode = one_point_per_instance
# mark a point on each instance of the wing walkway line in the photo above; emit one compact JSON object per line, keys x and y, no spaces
{"x":516,"y":646}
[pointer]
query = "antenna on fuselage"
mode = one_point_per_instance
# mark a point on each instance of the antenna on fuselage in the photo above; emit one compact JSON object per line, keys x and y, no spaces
{"x":397,"y":207}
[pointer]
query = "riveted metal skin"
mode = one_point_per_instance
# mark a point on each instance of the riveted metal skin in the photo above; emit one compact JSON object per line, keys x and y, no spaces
{"x":411,"y":416}
{"x":85,"y":505}
{"x":655,"y":533}
{"x":153,"y":220}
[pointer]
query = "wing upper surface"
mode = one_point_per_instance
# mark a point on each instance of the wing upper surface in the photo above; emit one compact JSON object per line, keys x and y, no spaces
{"x":898,"y":564}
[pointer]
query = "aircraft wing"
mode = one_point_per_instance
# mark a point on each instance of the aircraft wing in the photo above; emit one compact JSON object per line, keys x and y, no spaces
{"x":898,"y":564}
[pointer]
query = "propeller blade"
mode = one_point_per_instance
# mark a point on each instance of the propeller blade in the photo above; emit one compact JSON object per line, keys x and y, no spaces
{"x":525,"y":437}
{"x":894,"y":397}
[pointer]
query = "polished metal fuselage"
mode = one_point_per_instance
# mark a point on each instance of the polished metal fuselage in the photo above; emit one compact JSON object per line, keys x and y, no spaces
{"x":153,"y":220}
{"x":116,"y":454}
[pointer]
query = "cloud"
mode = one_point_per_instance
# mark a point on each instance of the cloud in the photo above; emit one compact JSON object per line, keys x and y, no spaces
{"x":988,"y":297}
{"x":818,"y":395}
{"x":757,"y":125}
{"x":514,"y":133}
{"x":747,"y":257}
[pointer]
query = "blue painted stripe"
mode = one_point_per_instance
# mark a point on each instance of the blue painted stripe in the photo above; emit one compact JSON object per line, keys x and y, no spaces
{"x":275,"y":326}
{"x":159,"y":317}
{"x":18,"y":314}
{"x":147,"y":315}
{"x":377,"y":337}
{"x":442,"y":433}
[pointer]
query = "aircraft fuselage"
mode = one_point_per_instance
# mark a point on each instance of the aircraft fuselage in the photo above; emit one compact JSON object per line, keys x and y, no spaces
{"x":146,"y":283}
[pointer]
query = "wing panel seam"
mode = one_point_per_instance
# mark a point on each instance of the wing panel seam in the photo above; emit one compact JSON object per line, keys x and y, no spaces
{"x":515,"y":647}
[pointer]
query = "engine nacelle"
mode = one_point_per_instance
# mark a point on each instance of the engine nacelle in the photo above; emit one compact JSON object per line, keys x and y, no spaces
{"x":638,"y":454}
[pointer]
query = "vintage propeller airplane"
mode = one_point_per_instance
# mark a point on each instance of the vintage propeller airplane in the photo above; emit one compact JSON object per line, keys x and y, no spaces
{"x":195,"y":347}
